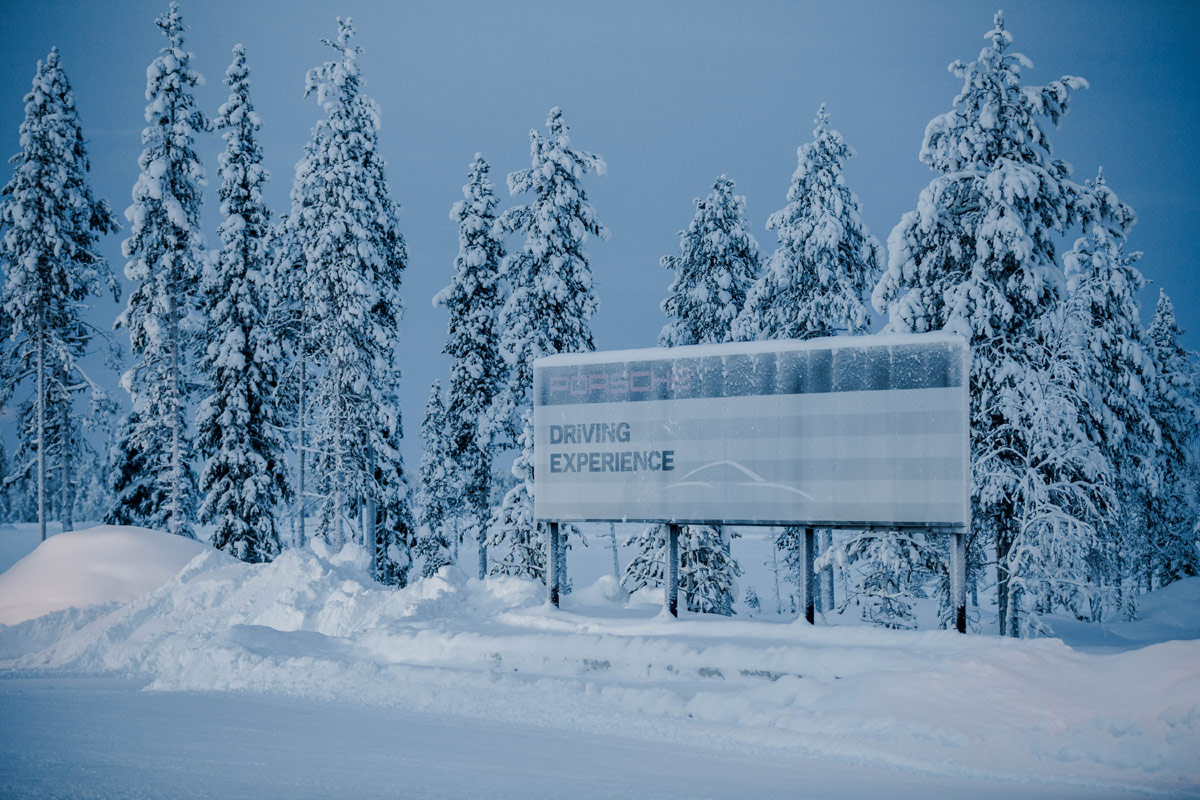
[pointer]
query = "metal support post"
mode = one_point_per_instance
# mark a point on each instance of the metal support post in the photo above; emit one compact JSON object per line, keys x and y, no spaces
{"x":807,"y":579}
{"x":672,"y":587}
{"x":958,"y":581}
{"x":552,"y":562}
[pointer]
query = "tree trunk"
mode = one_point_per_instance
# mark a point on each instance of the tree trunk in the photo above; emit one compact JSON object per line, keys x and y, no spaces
{"x":41,"y":428}
{"x":299,"y":535}
{"x":483,"y":554}
{"x":66,"y":454}
{"x":174,"y":504}
{"x":1002,"y":583}
{"x":369,"y":510}
{"x":775,"y":571}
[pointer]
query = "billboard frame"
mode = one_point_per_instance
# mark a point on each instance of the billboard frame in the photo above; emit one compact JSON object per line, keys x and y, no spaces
{"x":557,"y":554}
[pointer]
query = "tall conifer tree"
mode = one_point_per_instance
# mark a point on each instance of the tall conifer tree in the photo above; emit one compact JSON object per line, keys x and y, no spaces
{"x":1172,"y":513}
{"x":238,"y":424}
{"x":548,"y":311}
{"x":1103,"y":281}
{"x":718,"y":261}
{"x":817,"y":279}
{"x":977,"y":255}
{"x":166,"y":253}
{"x":478,"y":372}
{"x":50,"y":224}
{"x":438,"y":489}
{"x":353,"y":260}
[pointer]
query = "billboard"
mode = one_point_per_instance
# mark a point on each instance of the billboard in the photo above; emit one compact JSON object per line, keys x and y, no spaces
{"x":853,"y":432}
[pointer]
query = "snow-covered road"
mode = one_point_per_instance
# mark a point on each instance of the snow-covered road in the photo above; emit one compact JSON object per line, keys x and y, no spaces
{"x":84,"y":738}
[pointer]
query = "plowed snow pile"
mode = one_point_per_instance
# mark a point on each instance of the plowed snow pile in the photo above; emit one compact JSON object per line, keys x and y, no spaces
{"x":100,"y":565}
{"x":312,"y":624}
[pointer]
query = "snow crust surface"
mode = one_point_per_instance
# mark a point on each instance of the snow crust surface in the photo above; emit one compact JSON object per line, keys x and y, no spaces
{"x":312,"y":625}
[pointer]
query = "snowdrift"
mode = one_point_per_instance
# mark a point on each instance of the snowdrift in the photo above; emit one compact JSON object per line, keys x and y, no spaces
{"x":312,"y":624}
{"x":107,"y":564}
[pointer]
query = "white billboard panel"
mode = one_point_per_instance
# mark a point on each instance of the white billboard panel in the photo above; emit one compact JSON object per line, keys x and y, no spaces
{"x":843,"y":432}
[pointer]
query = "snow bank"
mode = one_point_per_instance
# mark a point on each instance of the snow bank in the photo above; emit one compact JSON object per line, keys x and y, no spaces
{"x":312,"y":624}
{"x":105,"y":564}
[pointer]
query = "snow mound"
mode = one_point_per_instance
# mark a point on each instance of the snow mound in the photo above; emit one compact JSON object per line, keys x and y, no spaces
{"x":106,"y":564}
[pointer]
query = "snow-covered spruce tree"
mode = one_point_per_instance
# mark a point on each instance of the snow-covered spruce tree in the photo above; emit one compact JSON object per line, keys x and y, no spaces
{"x":718,"y":261}
{"x":827,"y":261}
{"x":891,"y":572}
{"x":707,"y":572}
{"x":1103,"y":280}
{"x":92,"y":498}
{"x":1055,"y":477}
{"x":977,"y":256}
{"x":291,"y":319}
{"x":473,"y":300}
{"x":1171,"y":514}
{"x":437,"y":489}
{"x":166,"y":255}
{"x":515,"y":542}
{"x":394,"y":527}
{"x":548,"y":311}
{"x":238,"y":424}
{"x":822,"y":270}
{"x":648,"y":566}
{"x":135,"y":496}
{"x":354,"y":256}
{"x":50,"y":224}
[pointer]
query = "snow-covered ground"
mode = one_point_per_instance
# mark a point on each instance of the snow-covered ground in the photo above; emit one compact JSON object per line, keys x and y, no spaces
{"x":303,"y":678}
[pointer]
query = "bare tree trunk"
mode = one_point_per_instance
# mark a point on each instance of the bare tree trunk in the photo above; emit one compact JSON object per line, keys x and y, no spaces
{"x":66,"y":489}
{"x":174,"y":504}
{"x":483,"y":554}
{"x":299,"y":536}
{"x":368,"y":508}
{"x":1007,"y":615}
{"x":775,"y":571}
{"x":41,"y":425}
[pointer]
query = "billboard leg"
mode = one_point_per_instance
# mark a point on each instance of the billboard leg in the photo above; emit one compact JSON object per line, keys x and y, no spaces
{"x":552,"y":547}
{"x":672,"y":587}
{"x":807,"y":579}
{"x":958,"y":581}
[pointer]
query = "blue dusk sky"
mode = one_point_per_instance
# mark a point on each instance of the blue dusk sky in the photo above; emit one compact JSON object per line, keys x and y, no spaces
{"x":671,"y":94}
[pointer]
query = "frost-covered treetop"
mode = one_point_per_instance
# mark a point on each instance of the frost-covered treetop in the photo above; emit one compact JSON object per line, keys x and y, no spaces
{"x":236,"y":115}
{"x":479,"y":193}
{"x":551,"y":273}
{"x":717,"y":263}
{"x":994,"y":117}
{"x":168,"y":78}
{"x":1176,"y":388}
{"x":345,"y":203}
{"x":338,"y":86}
{"x":827,"y":260}
{"x":472,"y":296}
{"x":977,"y":255}
{"x":1109,"y":221}
{"x":240,"y":162}
{"x":165,"y":214}
{"x":560,"y":202}
{"x":1099,"y":207}
{"x":49,"y":215}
